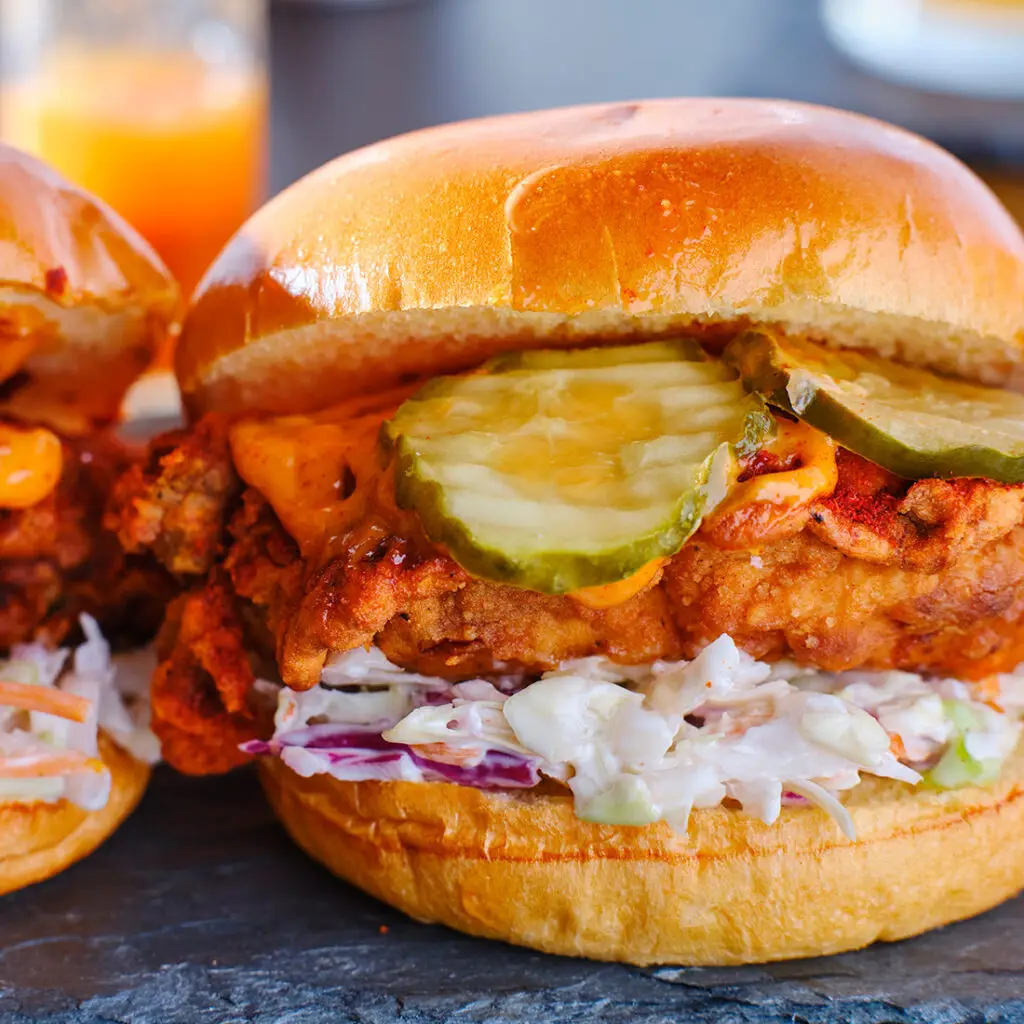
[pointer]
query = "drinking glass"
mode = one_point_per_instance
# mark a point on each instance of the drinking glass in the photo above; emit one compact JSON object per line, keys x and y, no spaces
{"x":157,"y":106}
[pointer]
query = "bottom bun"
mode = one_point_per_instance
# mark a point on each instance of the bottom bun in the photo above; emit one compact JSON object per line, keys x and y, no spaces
{"x":521,"y":867}
{"x":38,"y":840}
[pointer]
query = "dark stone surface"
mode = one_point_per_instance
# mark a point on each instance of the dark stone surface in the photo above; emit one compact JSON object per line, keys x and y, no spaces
{"x":200,"y":911}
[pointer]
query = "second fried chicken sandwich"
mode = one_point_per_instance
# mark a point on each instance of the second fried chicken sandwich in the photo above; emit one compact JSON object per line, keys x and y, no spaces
{"x":606,"y":528}
{"x":84,"y":303}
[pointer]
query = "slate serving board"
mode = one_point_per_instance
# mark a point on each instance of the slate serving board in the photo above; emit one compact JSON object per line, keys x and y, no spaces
{"x":200,"y":910}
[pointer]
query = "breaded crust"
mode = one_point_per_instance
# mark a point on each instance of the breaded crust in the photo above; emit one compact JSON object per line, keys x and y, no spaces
{"x":803,"y":598}
{"x":56,"y":560}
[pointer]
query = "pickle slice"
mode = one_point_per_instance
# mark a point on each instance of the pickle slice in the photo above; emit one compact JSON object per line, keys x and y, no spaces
{"x":557,"y":471}
{"x":910,"y":421}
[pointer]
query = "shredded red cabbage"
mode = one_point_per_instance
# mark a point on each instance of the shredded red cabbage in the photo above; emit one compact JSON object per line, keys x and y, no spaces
{"x":361,"y":754}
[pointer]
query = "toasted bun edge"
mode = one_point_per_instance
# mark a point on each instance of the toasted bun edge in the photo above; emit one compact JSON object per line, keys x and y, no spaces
{"x":522,"y":868}
{"x":39,"y":840}
{"x":430,"y":252}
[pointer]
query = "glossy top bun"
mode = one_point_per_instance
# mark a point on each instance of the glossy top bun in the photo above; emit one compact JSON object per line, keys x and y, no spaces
{"x":432,"y":251}
{"x":520,"y":866}
{"x":84,"y":299}
{"x":38,"y":840}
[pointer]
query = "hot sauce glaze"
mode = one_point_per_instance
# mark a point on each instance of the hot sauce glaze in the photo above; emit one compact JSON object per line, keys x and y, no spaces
{"x":612,"y":594}
{"x":324,"y":474}
{"x":767,"y":505}
{"x":31,"y":462}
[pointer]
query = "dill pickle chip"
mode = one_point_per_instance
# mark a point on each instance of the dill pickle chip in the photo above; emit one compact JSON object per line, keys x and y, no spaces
{"x":555,"y":471}
{"x":910,"y":421}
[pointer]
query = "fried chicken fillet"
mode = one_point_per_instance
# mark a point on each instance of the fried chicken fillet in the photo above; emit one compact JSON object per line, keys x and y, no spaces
{"x":880,"y":573}
{"x":57,"y":561}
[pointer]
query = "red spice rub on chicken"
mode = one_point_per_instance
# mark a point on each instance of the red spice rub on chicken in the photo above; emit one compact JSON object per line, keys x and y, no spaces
{"x":882,"y":573}
{"x":56,"y":561}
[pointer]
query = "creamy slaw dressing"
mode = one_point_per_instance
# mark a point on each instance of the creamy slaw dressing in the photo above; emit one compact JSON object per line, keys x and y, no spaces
{"x":33,"y":742}
{"x":639,"y":744}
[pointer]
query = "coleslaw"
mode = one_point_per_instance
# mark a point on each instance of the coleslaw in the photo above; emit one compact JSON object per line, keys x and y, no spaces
{"x":53,"y":704}
{"x":640,"y":744}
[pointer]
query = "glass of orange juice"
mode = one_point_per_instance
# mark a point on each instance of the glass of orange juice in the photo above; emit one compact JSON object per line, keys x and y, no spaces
{"x":157,"y":106}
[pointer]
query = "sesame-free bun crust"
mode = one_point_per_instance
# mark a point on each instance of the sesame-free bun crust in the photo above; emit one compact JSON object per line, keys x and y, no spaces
{"x":84,"y":300}
{"x":432,"y":251}
{"x":521,"y":867}
{"x":39,"y":840}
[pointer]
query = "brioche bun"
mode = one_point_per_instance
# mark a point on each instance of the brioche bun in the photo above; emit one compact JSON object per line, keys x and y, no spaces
{"x":84,"y":299}
{"x":433,"y":251}
{"x":39,"y":840}
{"x":520,"y":866}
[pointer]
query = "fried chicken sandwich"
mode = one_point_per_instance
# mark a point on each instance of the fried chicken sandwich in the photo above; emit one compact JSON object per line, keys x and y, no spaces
{"x":84,"y":301}
{"x":606,"y":528}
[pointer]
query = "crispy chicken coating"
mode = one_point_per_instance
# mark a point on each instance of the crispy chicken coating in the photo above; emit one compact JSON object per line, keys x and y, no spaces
{"x":202,"y":690}
{"x":882,"y":573}
{"x":176,"y":503}
{"x":57,"y":562}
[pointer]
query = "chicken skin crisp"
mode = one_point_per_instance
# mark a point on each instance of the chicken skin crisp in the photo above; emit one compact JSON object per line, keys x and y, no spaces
{"x":882,"y":573}
{"x":56,"y":562}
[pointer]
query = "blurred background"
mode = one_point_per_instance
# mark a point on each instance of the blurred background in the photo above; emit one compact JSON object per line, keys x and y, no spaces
{"x":186,"y":114}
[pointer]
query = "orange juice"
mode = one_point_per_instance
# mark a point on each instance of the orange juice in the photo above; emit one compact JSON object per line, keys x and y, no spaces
{"x":175,"y":146}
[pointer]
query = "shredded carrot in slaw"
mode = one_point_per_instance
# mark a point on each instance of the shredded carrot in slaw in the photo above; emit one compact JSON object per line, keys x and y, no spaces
{"x":37,"y":765}
{"x":990,"y":692}
{"x":447,"y":754}
{"x":44,"y":698}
